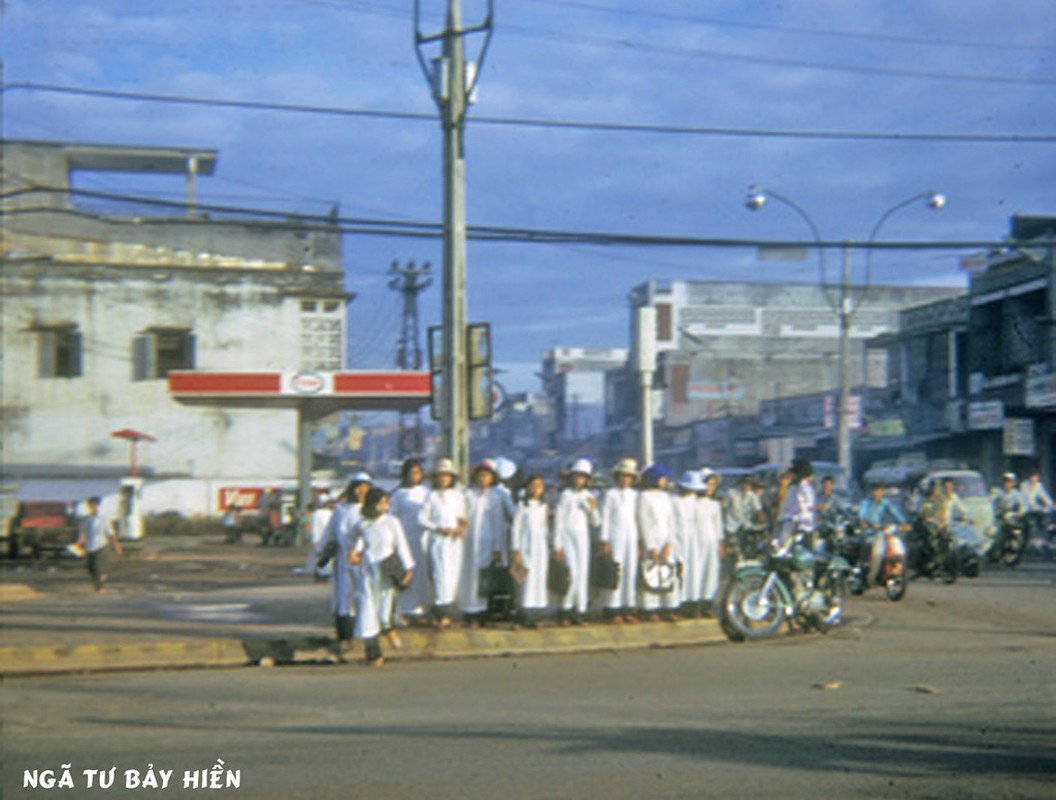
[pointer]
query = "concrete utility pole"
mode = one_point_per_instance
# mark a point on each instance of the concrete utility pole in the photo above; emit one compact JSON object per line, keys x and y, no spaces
{"x":447,"y":75}
{"x":645,"y":366}
{"x":410,"y":281}
{"x":844,"y":312}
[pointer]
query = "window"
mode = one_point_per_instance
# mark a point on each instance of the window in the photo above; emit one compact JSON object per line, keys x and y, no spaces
{"x":664,"y":326}
{"x":160,"y":350}
{"x":322,"y":335}
{"x":59,"y":352}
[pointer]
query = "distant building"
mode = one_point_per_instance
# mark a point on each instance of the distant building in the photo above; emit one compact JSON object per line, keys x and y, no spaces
{"x":100,"y":305}
{"x":575,"y":381}
{"x":749,"y":352}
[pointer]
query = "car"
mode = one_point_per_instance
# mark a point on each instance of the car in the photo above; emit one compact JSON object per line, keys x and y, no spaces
{"x":41,"y":526}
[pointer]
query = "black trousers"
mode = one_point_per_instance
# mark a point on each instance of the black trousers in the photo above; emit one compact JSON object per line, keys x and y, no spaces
{"x":344,"y":627}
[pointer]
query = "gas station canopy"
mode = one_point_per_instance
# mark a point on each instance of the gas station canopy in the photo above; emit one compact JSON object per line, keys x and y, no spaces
{"x":319,"y":393}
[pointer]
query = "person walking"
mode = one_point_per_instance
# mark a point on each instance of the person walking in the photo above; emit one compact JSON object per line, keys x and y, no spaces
{"x":336,"y":545}
{"x":530,"y":541}
{"x":376,"y":537}
{"x":489,"y":511}
{"x":95,"y":534}
{"x":444,"y":519}
{"x":406,"y":505}
{"x":619,"y":538}
{"x":577,"y":512}
{"x":317,"y":522}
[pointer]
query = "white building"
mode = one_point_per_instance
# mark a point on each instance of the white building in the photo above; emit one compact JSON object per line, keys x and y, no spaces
{"x":99,"y":307}
{"x":575,"y":381}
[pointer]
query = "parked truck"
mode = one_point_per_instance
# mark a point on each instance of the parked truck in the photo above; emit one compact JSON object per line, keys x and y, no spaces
{"x":39,"y":527}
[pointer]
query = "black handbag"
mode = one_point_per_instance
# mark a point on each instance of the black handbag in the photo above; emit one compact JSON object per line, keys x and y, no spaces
{"x":392,"y":570}
{"x":494,"y":581}
{"x":326,"y":555}
{"x":558,"y":576}
{"x":604,"y":571}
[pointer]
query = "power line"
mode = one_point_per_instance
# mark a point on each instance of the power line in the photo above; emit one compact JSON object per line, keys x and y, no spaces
{"x":728,"y":23}
{"x":755,"y":60}
{"x":527,"y":122}
{"x":478,"y":233}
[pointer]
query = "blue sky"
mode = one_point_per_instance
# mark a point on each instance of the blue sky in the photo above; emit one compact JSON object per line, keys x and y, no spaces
{"x":875,"y":66}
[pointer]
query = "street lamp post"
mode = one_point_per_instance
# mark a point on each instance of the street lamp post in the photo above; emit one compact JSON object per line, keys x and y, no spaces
{"x":843,"y":302}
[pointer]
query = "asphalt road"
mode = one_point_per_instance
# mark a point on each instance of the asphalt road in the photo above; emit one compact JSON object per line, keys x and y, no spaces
{"x":948,"y":694}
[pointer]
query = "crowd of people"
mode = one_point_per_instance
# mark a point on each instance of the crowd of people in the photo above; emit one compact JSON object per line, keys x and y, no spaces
{"x":648,"y":547}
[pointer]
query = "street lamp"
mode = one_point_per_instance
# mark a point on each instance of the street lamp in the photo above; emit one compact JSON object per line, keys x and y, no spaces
{"x":844,"y":304}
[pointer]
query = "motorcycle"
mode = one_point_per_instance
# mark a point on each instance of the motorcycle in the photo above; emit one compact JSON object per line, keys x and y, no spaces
{"x":1041,"y":533}
{"x":935,"y":554}
{"x":789,"y":583}
{"x":1011,"y":541}
{"x":885,"y":545}
{"x":970,"y":547}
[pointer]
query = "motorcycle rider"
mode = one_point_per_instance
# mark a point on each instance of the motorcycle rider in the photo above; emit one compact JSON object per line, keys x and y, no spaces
{"x":876,"y":513}
{"x":1038,"y":500}
{"x":1008,"y":500}
{"x":744,"y":515}
{"x":829,"y":509}
{"x":952,"y":509}
{"x":796,"y":501}
{"x":933,"y":523}
{"x":1009,"y":505}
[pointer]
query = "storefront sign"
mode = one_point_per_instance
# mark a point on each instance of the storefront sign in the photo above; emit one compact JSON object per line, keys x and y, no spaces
{"x":988,"y":416}
{"x":1041,"y":391}
{"x":1018,"y":439}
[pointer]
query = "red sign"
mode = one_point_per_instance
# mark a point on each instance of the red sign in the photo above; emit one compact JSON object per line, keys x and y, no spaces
{"x":247,"y":498}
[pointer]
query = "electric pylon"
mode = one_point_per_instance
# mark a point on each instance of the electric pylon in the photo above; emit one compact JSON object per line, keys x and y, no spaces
{"x":409,"y":281}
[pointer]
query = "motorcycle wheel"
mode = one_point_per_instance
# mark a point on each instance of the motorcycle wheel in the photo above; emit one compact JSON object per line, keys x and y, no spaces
{"x":950,"y":567}
{"x":896,"y":583}
{"x":749,"y":612}
{"x":1015,"y":546}
{"x":856,"y":583}
{"x":833,"y":589}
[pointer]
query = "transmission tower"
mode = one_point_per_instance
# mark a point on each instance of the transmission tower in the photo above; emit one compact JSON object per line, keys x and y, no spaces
{"x":409,"y":281}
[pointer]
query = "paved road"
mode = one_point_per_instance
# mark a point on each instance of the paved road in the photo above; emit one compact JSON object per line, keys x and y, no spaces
{"x":949,"y":694}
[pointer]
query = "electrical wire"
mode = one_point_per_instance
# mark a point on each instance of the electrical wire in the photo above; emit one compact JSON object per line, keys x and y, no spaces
{"x":760,"y":26}
{"x":528,"y":122}
{"x":479,"y":233}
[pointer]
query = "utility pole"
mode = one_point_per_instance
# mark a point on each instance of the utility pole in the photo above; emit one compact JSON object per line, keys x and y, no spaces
{"x":447,"y":76}
{"x":845,"y":311}
{"x":409,"y":281}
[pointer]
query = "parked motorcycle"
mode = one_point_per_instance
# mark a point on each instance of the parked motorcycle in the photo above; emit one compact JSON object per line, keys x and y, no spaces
{"x":1011,"y":541}
{"x":886,"y":545}
{"x":789,"y":583}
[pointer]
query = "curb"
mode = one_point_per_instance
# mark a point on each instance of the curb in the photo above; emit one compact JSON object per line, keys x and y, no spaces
{"x":417,"y":645}
{"x":125,"y":656}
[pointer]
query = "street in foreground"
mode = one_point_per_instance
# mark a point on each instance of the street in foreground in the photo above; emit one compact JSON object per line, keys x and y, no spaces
{"x":948,"y":694}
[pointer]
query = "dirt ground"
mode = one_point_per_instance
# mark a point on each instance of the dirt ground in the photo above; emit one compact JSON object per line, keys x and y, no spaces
{"x":166,"y":563}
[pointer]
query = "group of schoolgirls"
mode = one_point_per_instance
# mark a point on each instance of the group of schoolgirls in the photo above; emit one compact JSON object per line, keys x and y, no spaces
{"x":419,"y":556}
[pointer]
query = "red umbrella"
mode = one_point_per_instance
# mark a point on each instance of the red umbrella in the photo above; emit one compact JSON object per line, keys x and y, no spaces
{"x":135,"y":437}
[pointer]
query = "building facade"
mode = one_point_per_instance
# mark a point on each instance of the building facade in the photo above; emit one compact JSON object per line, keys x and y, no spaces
{"x":100,"y":307}
{"x":976,"y":377}
{"x":749,"y":370}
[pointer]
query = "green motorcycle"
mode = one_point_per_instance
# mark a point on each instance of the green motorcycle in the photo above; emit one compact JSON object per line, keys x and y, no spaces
{"x":788,"y":583}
